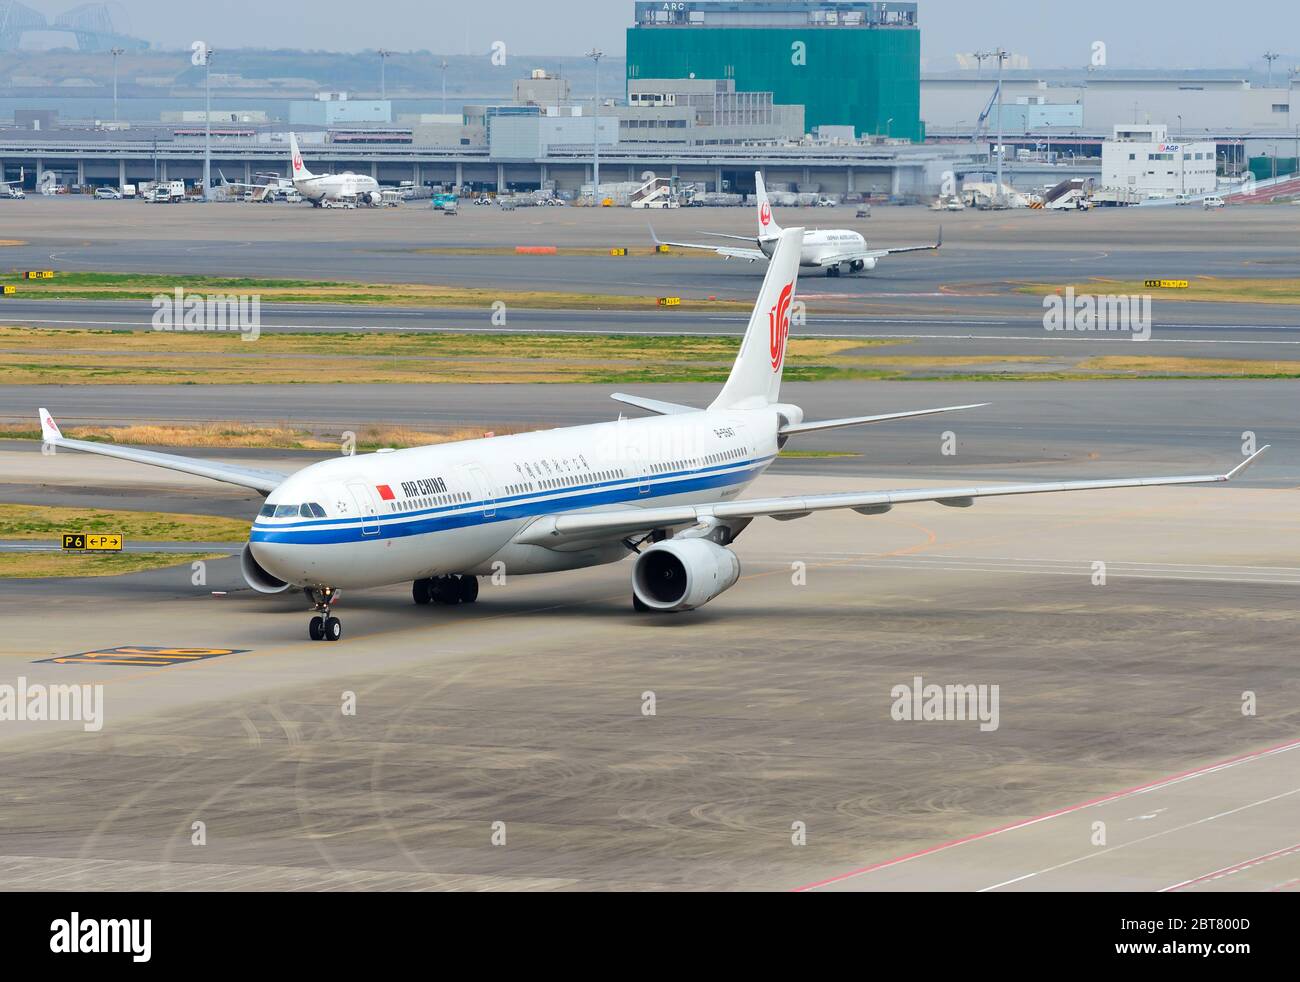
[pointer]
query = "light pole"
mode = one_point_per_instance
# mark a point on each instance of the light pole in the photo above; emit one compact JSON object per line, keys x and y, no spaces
{"x":889,"y":125}
{"x":115,"y":52}
{"x":1270,"y":57}
{"x":1001,"y":56}
{"x":595,"y":55}
{"x":207,"y":123}
{"x":443,"y":66}
{"x":383,"y":83}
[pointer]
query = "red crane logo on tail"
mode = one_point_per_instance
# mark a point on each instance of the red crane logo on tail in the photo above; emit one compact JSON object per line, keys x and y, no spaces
{"x":778,"y":326}
{"x":297,"y":162}
{"x":765,"y":215}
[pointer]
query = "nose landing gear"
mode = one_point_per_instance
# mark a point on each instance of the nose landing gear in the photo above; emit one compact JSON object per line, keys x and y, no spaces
{"x":324,"y":626}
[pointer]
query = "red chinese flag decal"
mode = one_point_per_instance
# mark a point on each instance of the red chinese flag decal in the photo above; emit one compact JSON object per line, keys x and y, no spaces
{"x":385,"y":491}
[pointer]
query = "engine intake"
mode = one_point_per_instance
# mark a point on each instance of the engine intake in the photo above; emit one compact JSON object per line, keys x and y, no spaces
{"x":682,"y":574}
{"x":256,"y":577}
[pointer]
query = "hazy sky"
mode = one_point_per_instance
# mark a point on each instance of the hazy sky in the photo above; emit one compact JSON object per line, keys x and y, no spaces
{"x":1053,"y":33}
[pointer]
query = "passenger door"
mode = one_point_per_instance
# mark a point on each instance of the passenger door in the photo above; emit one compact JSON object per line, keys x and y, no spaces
{"x":485,"y":489}
{"x":364,"y":496}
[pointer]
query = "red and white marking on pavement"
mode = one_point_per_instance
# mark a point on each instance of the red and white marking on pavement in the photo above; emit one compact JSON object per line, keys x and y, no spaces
{"x":1113,"y":796}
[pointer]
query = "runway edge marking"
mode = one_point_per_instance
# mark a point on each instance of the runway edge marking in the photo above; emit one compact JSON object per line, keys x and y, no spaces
{"x":1025,"y":823}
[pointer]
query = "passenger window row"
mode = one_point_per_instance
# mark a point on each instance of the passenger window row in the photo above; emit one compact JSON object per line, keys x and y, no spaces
{"x":550,"y":483}
{"x":721,"y":457}
{"x":432,"y":501}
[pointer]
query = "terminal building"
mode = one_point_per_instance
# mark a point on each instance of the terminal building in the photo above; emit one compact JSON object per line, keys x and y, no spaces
{"x":849,"y":64}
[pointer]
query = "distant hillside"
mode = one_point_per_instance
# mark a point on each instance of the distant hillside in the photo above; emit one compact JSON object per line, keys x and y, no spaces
{"x":147,"y":72}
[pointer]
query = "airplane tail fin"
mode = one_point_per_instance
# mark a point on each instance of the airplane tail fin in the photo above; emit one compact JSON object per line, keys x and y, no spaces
{"x":755,"y":379}
{"x":297,"y":169}
{"x":767,"y":227}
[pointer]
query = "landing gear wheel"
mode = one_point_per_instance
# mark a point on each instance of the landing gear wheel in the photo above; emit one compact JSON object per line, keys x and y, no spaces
{"x":444,"y":590}
{"x":421,"y":591}
{"x":468,"y":589}
{"x":323,"y":627}
{"x":638,"y":606}
{"x":832,"y":271}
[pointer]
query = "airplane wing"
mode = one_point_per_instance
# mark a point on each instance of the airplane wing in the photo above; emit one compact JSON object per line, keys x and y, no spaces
{"x":557,"y":530}
{"x":848,"y":257}
{"x":244,"y":477}
{"x":727,"y":252}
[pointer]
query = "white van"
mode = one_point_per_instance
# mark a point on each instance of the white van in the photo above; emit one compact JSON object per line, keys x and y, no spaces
{"x":1213,"y":201}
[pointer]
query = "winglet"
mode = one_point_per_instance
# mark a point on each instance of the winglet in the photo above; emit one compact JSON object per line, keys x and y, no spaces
{"x":654,"y":237}
{"x":939,"y":244}
{"x":1240,"y":468}
{"x":49,"y":429}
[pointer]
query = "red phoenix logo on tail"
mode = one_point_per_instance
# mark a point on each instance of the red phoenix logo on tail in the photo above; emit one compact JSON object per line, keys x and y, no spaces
{"x":765,"y":215}
{"x":778,"y":326}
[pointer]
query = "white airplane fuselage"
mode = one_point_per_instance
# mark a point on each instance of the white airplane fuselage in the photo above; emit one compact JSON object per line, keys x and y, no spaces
{"x":336,"y":187}
{"x":404,"y":515}
{"x":820,"y":244}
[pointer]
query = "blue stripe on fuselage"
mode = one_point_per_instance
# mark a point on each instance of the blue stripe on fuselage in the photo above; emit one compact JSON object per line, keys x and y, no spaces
{"x":399,"y":524}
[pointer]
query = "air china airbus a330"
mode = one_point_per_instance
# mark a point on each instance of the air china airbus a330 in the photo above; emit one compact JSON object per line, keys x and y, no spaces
{"x":666,"y":488}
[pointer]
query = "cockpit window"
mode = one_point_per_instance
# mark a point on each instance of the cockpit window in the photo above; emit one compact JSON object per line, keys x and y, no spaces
{"x":311,"y":510}
{"x":285,"y":511}
{"x":267,"y":511}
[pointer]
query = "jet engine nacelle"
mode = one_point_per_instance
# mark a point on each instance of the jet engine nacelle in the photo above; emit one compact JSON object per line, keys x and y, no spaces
{"x":256,"y":577}
{"x":374,"y":197}
{"x":682,"y":574}
{"x":869,"y":264}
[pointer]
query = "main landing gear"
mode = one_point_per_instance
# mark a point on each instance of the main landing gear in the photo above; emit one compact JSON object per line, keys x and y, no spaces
{"x":832,"y":271}
{"x":324,"y":626}
{"x":449,"y":590}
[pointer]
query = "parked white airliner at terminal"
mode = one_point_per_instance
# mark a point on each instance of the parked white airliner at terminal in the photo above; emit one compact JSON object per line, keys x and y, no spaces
{"x":666,"y":488}
{"x":326,"y":189}
{"x":830,"y":249}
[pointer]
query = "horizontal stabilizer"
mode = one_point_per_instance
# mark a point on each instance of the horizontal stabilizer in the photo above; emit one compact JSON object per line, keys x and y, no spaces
{"x":834,"y":424}
{"x":656,"y":406}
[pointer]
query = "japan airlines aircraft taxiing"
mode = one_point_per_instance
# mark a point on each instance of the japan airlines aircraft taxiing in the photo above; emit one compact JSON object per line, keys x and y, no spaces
{"x":830,"y":249}
{"x":665,"y":487}
{"x":324,"y":190}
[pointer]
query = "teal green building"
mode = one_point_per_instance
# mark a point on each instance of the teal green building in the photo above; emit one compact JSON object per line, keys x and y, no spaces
{"x":848,"y":64}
